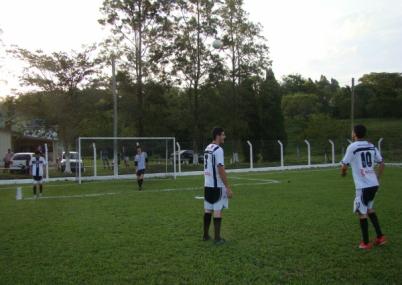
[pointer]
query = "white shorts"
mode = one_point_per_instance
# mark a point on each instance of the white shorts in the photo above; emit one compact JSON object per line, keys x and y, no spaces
{"x":364,"y":200}
{"x":222,"y":201}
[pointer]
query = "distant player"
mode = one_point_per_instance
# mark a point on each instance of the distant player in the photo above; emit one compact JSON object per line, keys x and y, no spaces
{"x":361,"y":156}
{"x":36,"y":166}
{"x":140,"y":161}
{"x":216,"y":190}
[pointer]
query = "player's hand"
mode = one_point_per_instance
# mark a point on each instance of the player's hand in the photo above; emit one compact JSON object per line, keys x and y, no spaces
{"x":229,"y":192}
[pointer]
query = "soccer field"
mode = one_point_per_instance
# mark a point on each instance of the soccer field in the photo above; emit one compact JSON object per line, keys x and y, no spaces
{"x":282,"y":227}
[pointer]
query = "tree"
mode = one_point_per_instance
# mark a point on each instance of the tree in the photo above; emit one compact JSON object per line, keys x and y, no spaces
{"x":59,"y":76}
{"x":246,"y":50}
{"x":196,"y":24}
{"x":140,"y":31}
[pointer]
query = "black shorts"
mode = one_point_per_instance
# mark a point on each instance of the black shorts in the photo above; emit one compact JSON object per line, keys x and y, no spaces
{"x":140,"y":172}
{"x":37,"y":179}
{"x":212,"y":194}
{"x":368,"y":194}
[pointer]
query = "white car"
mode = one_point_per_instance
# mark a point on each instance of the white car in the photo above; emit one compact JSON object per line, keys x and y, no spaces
{"x":20,"y":162}
{"x":73,"y":162}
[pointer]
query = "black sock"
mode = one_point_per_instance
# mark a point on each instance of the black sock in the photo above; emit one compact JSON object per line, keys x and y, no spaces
{"x":40,"y":189}
{"x":207,"y":223}
{"x":141,"y":181}
{"x":376,"y":224}
{"x":364,"y":228}
{"x":34,"y":190}
{"x":217,"y":226}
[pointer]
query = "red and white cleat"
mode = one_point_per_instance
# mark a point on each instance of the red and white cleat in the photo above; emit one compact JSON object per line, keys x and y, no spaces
{"x":380,"y":240}
{"x":365,"y":246}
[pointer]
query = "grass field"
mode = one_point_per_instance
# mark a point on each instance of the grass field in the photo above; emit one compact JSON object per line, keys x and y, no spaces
{"x":300,"y":230}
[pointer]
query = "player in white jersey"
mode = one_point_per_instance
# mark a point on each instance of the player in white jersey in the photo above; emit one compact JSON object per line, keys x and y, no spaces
{"x":362,"y":157}
{"x":216,"y":187}
{"x":36,"y":167}
{"x":140,"y":161}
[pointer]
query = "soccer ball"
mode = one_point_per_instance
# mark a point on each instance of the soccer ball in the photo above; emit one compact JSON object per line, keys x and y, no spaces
{"x":217,"y":44}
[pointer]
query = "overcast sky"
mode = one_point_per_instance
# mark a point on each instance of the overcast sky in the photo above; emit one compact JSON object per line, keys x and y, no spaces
{"x":337,"y":38}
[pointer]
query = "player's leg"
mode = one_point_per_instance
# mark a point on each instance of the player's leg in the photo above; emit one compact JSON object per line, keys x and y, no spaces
{"x":40,"y":188}
{"x":34,"y":188}
{"x":361,"y":209}
{"x":217,"y":225}
{"x":141,"y":179}
{"x":207,"y":221}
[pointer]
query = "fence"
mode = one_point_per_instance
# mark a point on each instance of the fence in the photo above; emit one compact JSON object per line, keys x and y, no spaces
{"x":242,"y":156}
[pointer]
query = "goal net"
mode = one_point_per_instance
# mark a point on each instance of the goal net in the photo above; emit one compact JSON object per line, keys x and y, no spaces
{"x":101,"y":158}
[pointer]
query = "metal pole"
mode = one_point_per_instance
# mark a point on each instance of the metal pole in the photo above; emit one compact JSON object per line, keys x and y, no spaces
{"x":379,"y":144}
{"x":308,"y":152}
{"x":332,"y":151}
{"x":281,"y":146}
{"x":352,"y":111}
{"x":79,"y":161}
{"x":174,"y":159}
{"x":94,"y":149}
{"x":116,"y":165}
{"x":178,"y":155}
{"x":47,"y":161}
{"x":251,"y":154}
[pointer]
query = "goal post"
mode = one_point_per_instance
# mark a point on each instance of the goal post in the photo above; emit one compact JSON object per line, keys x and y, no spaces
{"x":101,"y":158}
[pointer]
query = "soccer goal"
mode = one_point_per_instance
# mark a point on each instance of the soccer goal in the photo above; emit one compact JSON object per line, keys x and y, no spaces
{"x":102,"y":158}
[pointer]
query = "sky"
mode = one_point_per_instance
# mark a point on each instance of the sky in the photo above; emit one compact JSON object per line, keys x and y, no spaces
{"x":340,"y":39}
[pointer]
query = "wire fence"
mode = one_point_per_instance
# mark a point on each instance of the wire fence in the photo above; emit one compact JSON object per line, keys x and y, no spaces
{"x":238,"y":155}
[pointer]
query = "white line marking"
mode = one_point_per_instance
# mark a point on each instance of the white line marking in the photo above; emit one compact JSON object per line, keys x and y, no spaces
{"x":146,"y":191}
{"x":73,"y":196}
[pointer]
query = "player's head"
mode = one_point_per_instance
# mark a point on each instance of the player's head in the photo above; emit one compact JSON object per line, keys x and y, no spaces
{"x":218,"y":135}
{"x":359,"y":132}
{"x":37,"y":153}
{"x":138,"y":149}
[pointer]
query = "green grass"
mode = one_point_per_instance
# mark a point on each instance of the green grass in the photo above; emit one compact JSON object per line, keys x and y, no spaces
{"x":299,"y":231}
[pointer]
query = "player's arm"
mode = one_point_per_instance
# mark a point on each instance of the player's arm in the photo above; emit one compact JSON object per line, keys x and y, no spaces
{"x":223,"y":176}
{"x":380,"y":169}
{"x":344,"y":170}
{"x":346,"y":161}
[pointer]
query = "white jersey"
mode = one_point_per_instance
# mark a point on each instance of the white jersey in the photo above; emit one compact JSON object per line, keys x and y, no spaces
{"x":37,"y":165}
{"x":213,"y":157}
{"x":361,"y":156}
{"x":141,"y":160}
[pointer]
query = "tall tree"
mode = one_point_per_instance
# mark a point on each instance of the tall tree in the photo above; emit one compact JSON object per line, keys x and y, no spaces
{"x":246,"y":50}
{"x":196,"y":25}
{"x":140,"y":29}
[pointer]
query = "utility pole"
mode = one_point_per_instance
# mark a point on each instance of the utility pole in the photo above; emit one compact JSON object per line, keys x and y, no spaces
{"x":114,"y":92}
{"x":352,"y":106}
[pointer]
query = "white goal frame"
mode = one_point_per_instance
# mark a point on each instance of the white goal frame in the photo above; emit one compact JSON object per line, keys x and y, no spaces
{"x":115,"y":139}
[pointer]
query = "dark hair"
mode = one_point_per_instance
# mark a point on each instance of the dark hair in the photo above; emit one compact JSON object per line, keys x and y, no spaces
{"x":360,"y":131}
{"x":217,"y":131}
{"x":37,"y":152}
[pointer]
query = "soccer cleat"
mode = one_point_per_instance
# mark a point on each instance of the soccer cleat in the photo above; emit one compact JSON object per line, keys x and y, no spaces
{"x":206,"y":238}
{"x":219,"y":241}
{"x":365,"y":246}
{"x":380,"y":240}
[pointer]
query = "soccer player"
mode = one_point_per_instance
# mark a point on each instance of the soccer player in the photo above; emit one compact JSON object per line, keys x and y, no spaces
{"x":216,"y":190}
{"x":140,"y":161}
{"x":36,"y":166}
{"x":361,"y":156}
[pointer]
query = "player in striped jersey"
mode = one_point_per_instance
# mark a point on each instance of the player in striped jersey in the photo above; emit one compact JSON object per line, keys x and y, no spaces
{"x":362,"y":156}
{"x":36,"y":166}
{"x":216,"y":190}
{"x":140,"y":161}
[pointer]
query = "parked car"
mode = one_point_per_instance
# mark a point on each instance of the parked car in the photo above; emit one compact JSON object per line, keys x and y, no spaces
{"x":20,"y":162}
{"x":73,"y":162}
{"x":186,"y":156}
